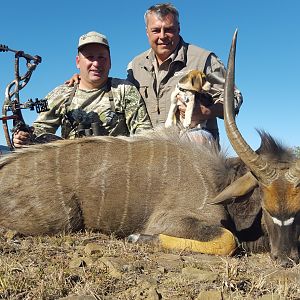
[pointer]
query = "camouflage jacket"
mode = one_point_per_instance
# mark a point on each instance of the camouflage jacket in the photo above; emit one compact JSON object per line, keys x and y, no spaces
{"x":117,"y":107}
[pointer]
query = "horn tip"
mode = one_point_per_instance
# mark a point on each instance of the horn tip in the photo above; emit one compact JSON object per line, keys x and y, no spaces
{"x":235,"y":35}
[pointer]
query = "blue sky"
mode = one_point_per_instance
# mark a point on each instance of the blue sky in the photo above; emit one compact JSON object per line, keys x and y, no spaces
{"x":267,"y":62}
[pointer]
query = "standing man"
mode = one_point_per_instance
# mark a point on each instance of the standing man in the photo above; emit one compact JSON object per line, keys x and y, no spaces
{"x":156,"y":71}
{"x":109,"y":106}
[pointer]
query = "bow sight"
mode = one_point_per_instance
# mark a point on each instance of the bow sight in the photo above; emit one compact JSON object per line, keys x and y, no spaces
{"x":12,"y":102}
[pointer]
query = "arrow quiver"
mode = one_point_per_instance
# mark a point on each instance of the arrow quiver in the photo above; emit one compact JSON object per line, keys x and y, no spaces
{"x":12,"y":102}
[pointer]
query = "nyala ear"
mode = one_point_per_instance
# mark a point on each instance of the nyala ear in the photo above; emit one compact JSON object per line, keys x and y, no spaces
{"x":238,"y":188}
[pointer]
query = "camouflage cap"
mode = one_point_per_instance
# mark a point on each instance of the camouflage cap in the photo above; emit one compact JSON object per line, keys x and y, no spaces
{"x":93,"y":37}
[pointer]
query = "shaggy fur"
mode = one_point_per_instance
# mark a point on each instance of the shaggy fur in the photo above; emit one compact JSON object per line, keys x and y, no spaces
{"x":155,"y":183}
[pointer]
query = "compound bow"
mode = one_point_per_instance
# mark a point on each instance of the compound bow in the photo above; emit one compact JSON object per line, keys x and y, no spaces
{"x":12,"y":99}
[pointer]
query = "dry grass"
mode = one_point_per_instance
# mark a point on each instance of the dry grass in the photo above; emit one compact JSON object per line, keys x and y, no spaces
{"x":103,"y":267}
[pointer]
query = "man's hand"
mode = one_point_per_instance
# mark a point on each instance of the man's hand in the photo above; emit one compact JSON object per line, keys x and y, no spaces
{"x":75,"y":79}
{"x":21,"y":138}
{"x":201,"y":112}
